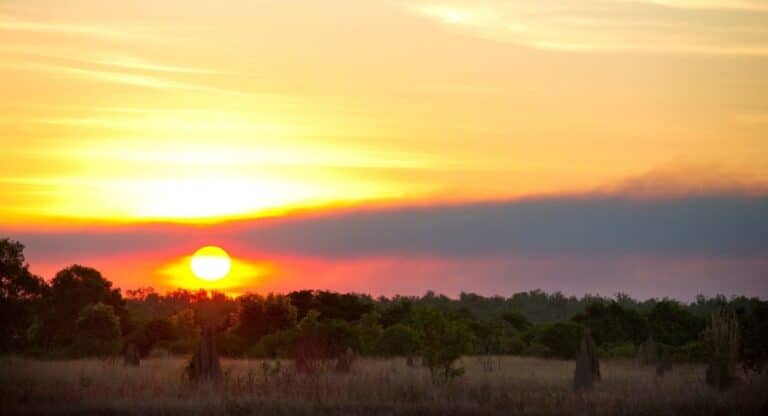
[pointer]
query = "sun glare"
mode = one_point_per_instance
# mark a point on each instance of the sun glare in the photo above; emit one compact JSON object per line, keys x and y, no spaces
{"x":210,"y":263}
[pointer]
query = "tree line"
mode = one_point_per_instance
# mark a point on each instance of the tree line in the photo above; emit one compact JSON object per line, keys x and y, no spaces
{"x":79,"y":313}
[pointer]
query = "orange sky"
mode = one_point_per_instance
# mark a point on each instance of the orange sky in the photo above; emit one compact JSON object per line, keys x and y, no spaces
{"x":200,"y":111}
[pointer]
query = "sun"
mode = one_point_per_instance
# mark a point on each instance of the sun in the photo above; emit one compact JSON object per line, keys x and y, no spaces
{"x":210,"y":263}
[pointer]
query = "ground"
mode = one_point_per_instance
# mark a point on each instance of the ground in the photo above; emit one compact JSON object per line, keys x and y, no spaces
{"x":526,"y":386}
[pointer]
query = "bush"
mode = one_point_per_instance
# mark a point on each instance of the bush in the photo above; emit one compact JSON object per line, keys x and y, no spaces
{"x":97,"y":331}
{"x":399,"y":340}
{"x":690,"y":352}
{"x":443,"y":342}
{"x":561,"y":339}
{"x":537,"y":350}
{"x":277,"y":344}
{"x":624,"y":350}
{"x":515,"y":345}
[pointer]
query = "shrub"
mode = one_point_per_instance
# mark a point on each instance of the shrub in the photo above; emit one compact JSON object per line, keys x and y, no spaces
{"x":623,"y":350}
{"x":671,"y":323}
{"x":97,"y":331}
{"x":690,"y":352}
{"x":562,"y":339}
{"x":277,"y":344}
{"x":398,"y":339}
{"x":536,"y":349}
{"x":443,"y":342}
{"x":515,"y":345}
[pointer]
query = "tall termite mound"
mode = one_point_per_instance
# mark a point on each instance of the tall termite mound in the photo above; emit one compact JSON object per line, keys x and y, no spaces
{"x":665,"y":363}
{"x":649,"y":352}
{"x":345,"y":360}
{"x":587,"y":364}
{"x":721,"y":342}
{"x":131,"y":356}
{"x":204,"y":365}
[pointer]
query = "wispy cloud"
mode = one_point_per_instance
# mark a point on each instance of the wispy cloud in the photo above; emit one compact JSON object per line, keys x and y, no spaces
{"x":11,"y":24}
{"x":680,"y":27}
{"x":118,"y":77}
{"x":110,"y":60}
{"x":750,"y":5}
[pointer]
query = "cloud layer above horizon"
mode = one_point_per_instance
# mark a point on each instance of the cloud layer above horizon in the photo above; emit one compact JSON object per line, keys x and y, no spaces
{"x":580,"y":244}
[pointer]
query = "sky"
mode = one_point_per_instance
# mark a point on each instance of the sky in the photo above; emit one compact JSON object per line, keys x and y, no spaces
{"x":384,"y":147}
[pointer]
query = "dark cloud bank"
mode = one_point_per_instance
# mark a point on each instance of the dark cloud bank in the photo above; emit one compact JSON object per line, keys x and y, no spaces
{"x":606,"y":226}
{"x":678,"y":246}
{"x":594,"y":225}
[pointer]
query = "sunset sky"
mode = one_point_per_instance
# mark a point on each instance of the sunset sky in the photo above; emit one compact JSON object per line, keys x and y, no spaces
{"x":587,"y":146}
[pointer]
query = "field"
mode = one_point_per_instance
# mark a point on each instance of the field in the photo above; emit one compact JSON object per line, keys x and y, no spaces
{"x":519,"y":385}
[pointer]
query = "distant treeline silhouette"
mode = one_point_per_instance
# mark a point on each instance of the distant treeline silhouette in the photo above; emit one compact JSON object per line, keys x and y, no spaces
{"x":79,"y":313}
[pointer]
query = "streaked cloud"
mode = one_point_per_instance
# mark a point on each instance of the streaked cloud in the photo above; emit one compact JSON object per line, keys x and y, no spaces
{"x":8,"y":23}
{"x":679,"y":27}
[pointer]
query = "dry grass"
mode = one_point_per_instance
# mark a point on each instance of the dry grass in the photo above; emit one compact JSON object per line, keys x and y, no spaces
{"x":373,"y":387}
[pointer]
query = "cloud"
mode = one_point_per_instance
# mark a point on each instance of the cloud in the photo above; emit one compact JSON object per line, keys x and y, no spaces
{"x":11,"y":24}
{"x":587,"y":225}
{"x":750,"y":5}
{"x":592,"y":225}
{"x":600,"y":243}
{"x":648,"y":27}
{"x":118,"y":77}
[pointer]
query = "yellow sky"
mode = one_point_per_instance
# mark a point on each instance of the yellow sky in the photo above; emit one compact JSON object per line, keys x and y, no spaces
{"x":185,"y":110}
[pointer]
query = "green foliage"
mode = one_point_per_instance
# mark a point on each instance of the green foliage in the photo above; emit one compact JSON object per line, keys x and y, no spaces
{"x":443,"y":342}
{"x":71,"y":290}
{"x":623,"y":350}
{"x":561,"y":339}
{"x":369,"y":332}
{"x":20,"y":291}
{"x":157,"y":332}
{"x":276,"y":344}
{"x":536,"y":349}
{"x":612,"y":324}
{"x":754,"y":329}
{"x":517,"y":320}
{"x":690,"y":352}
{"x":672,"y":324}
{"x":97,"y":331}
{"x":262,"y":315}
{"x":342,"y":306}
{"x":399,"y":340}
{"x":491,"y":337}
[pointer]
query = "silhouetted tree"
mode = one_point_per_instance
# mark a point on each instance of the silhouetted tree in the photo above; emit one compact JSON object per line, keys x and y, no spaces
{"x":399,"y":340}
{"x":71,"y":290}
{"x":97,"y":331}
{"x":672,"y":324}
{"x":611,"y":324}
{"x":261,"y":315}
{"x":20,"y":291}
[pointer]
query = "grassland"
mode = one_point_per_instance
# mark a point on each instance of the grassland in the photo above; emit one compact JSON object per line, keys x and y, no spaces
{"x":525,"y":386}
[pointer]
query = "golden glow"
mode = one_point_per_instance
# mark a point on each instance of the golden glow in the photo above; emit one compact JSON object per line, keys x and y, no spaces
{"x":210,"y":263}
{"x":242,"y":275}
{"x":134,"y":112}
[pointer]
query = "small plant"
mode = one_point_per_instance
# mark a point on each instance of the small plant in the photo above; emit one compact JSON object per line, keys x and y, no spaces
{"x":721,"y":343}
{"x":443,"y":343}
{"x":84,"y":380}
{"x":270,"y":371}
{"x":345,"y":360}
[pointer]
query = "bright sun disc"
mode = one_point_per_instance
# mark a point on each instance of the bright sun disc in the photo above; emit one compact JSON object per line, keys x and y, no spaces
{"x":210,"y":263}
